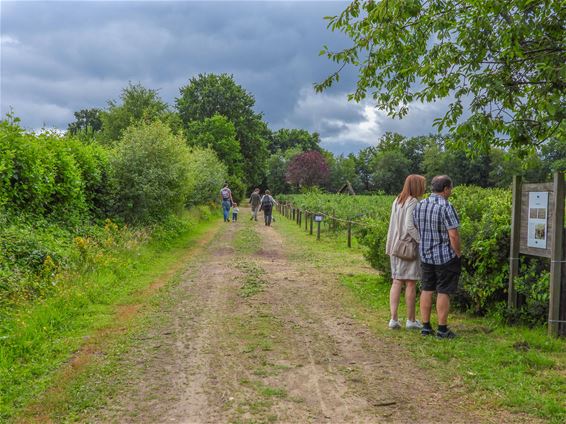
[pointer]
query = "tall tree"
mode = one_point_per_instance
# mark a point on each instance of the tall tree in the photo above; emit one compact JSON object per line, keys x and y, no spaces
{"x":343,"y":169}
{"x":502,"y":62}
{"x":308,"y":169}
{"x":363,"y":167}
{"x":284,"y":139}
{"x":210,"y":94}
{"x":277,"y":170}
{"x":390,"y":168}
{"x":138,"y":103}
{"x":86,"y":121}
{"x":219,"y":134}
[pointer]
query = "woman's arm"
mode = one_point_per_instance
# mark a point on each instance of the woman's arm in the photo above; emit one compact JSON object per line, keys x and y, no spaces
{"x":389,"y":241}
{"x":409,"y":223}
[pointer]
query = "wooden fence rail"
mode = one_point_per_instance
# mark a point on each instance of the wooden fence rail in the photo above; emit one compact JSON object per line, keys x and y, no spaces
{"x":290,"y":211}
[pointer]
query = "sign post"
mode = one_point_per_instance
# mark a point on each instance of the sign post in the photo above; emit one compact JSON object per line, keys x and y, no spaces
{"x":537,"y":229}
{"x":318,"y":219}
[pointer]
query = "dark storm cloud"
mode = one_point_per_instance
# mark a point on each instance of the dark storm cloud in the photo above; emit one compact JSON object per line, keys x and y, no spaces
{"x":59,"y":57}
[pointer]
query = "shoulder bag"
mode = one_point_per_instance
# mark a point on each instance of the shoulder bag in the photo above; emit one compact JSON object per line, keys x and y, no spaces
{"x":405,"y":247}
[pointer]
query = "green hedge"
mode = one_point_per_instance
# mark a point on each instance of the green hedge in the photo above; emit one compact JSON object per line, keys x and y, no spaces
{"x":50,"y":175}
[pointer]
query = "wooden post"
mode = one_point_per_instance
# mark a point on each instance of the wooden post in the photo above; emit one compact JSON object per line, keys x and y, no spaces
{"x":318,"y":230}
{"x":349,"y":233}
{"x":312,"y":217}
{"x":515,"y":241}
{"x":556,"y":255}
{"x":562,"y":311}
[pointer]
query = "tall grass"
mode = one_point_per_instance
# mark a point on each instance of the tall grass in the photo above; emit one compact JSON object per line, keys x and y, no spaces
{"x":38,"y":337}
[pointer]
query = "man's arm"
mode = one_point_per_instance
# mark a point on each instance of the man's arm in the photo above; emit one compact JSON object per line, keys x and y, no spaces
{"x":455,"y":241}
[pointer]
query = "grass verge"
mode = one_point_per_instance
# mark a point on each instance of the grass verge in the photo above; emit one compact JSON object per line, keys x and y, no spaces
{"x":43,"y":337}
{"x":517,"y":368}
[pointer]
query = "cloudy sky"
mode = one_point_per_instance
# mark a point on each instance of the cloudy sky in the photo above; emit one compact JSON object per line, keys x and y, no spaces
{"x":58,"y":57}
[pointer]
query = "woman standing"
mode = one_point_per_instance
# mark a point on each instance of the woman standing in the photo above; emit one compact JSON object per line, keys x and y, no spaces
{"x":404,"y":272}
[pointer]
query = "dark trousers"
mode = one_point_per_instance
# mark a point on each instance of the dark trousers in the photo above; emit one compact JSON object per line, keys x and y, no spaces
{"x":267,"y":215}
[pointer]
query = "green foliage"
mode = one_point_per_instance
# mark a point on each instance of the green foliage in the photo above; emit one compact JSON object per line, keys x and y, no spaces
{"x":51,"y":175}
{"x":285,"y":139}
{"x":219,"y":134}
{"x":533,"y":287}
{"x":206,"y":175}
{"x":343,"y":169}
{"x":389,"y":168}
{"x":210,"y":94}
{"x":503,"y":62}
{"x":354,"y":208}
{"x":150,"y":173}
{"x":138,"y":103}
{"x":277,"y":169}
{"x":485,"y":216}
{"x":87,"y":121}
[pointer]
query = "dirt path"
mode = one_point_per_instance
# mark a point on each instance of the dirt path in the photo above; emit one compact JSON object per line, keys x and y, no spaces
{"x":257,"y":336}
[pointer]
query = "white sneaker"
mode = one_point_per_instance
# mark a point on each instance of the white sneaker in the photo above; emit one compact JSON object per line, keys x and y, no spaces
{"x":413,"y":325}
{"x":394,"y":325}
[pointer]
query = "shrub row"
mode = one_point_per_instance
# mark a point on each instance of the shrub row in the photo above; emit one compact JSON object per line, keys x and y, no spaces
{"x":485,"y":216}
{"x":148,"y":175}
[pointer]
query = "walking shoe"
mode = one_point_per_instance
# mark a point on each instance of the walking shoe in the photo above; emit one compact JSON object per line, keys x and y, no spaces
{"x":427,"y":332}
{"x":394,"y":325}
{"x":448,"y":334}
{"x":413,"y":325}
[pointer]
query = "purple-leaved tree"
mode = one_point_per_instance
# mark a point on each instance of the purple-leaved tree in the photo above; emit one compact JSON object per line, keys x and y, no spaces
{"x":308,"y":169}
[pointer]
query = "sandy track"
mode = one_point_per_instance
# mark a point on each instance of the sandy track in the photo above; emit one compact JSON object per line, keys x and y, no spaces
{"x":289,"y":353}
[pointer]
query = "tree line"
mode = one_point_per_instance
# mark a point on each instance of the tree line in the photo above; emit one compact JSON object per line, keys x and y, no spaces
{"x":214,"y":112}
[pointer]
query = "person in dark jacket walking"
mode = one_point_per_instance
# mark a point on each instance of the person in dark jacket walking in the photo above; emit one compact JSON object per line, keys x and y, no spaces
{"x":267,"y":203}
{"x":255,"y":201}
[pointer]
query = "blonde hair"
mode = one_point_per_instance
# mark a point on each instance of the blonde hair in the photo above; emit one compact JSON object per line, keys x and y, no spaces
{"x":414,"y":187}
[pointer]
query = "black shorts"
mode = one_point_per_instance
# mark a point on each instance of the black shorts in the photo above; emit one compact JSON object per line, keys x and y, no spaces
{"x":441,"y":278}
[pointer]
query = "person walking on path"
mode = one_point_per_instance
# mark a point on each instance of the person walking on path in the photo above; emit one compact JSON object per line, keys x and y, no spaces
{"x":226,"y":195}
{"x":405,"y":272}
{"x":255,"y":201}
{"x":235,"y":211}
{"x":440,"y":253}
{"x":266,"y":205}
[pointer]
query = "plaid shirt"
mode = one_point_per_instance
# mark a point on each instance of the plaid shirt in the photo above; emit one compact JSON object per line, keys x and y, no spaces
{"x":433,"y":217}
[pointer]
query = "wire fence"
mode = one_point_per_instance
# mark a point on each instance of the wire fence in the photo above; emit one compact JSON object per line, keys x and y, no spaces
{"x":309,"y":219}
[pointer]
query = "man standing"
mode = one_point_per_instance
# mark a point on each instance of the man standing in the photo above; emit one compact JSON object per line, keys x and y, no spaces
{"x":226,"y":195}
{"x":437,"y":223}
{"x":255,"y":200}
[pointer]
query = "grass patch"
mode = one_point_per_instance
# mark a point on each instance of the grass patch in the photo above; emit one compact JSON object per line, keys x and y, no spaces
{"x":518,"y":368}
{"x":42,"y":337}
{"x":247,"y":240}
{"x":253,"y":277}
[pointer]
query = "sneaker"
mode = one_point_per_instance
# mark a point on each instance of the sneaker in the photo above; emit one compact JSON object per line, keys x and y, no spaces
{"x":427,"y":332}
{"x":413,"y":325}
{"x":394,"y":325}
{"x":448,"y":334}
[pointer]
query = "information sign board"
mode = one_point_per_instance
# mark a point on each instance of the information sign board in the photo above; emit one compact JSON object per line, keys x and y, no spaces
{"x":537,"y":220}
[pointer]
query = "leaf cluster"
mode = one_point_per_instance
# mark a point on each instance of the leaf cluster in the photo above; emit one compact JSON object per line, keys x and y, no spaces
{"x":500,"y":63}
